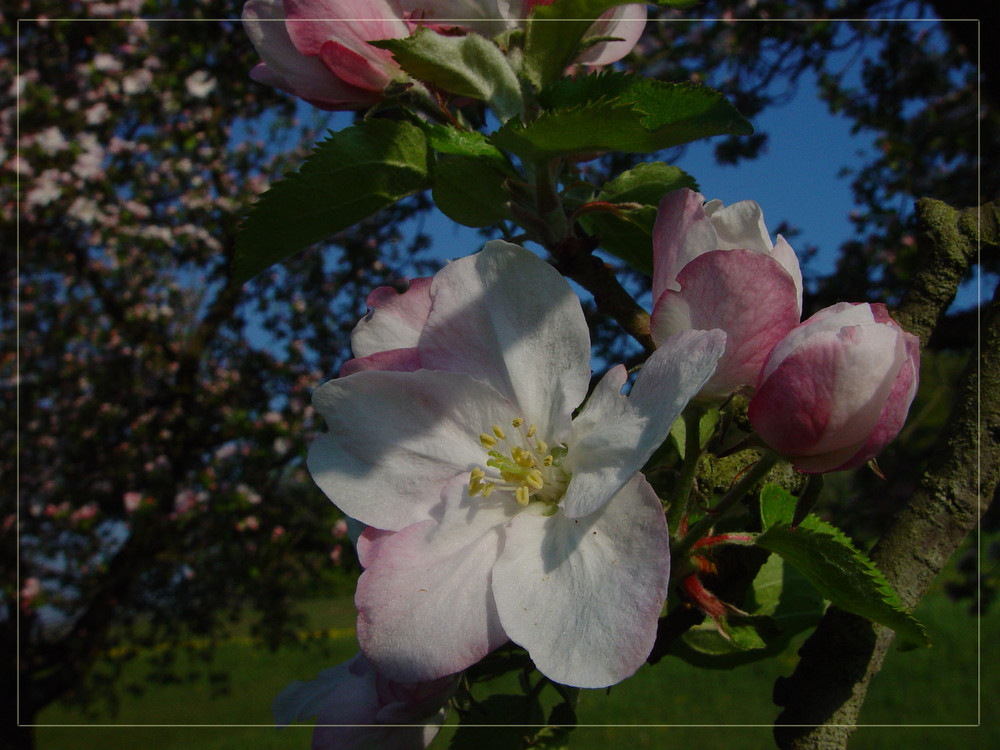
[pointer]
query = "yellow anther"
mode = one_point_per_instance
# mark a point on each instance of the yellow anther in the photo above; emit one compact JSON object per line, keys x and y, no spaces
{"x":531,"y":430}
{"x":475,"y":487}
{"x":548,"y":460}
{"x":534,"y":479}
{"x":488,"y":441}
{"x":542,"y":446}
{"x":501,"y":435}
{"x":476,"y":475}
{"x":488,"y":489}
{"x":521,"y":493}
{"x":517,"y":422}
{"x":523,"y":458}
{"x":511,"y":476}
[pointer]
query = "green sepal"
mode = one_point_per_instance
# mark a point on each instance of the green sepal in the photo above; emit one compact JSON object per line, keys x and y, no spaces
{"x":839,"y":571}
{"x":351,"y":175}
{"x":468,"y":65}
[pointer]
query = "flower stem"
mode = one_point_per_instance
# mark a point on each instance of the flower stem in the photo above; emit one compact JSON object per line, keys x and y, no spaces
{"x":756,"y":472}
{"x":692,"y":452}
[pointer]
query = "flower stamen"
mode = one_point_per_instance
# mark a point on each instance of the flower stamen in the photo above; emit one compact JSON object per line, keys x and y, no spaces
{"x":526,"y":468}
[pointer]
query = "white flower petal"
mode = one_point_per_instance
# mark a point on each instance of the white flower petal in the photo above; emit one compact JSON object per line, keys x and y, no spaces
{"x":739,"y":225}
{"x":508,"y":318}
{"x":614,"y":436}
{"x":425,"y":607}
{"x":395,"y":439}
{"x":583,"y":595}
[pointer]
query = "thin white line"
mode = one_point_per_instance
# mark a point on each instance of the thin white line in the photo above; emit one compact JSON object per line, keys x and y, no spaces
{"x":456,"y":20}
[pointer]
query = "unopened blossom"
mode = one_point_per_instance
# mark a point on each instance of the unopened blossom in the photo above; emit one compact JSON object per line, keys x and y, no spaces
{"x":492,"y":514}
{"x":357,"y":708}
{"x":837,"y":388}
{"x":623,"y":24}
{"x":714,"y":266}
{"x":318,"y":49}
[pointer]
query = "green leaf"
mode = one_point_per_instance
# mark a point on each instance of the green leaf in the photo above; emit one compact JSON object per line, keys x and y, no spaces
{"x":451,"y":140}
{"x":646,"y":183}
{"x":351,"y":175}
{"x":690,"y":110}
{"x":617,"y":112}
{"x":469,"y":65}
{"x":470,"y":191}
{"x":777,"y":505}
{"x":782,"y":603}
{"x":629,"y":236}
{"x":553,"y":35}
{"x":838,"y":570}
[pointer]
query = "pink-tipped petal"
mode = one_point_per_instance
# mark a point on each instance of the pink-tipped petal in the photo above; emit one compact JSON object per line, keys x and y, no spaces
{"x":836,"y":389}
{"x":353,"y":23}
{"x":398,"y":360}
{"x":353,"y":69}
{"x":396,"y":320}
{"x":748,"y":295}
{"x":625,"y":23}
{"x":425,"y":608}
{"x":681,"y":233}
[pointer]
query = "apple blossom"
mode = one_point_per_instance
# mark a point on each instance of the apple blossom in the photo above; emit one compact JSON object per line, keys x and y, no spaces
{"x":623,"y":24}
{"x":318,"y":49}
{"x":715,"y":267}
{"x":351,"y":701}
{"x":492,"y":514}
{"x":836,"y":389}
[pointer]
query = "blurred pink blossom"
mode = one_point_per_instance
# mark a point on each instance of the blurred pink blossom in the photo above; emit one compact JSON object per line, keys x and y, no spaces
{"x":318,"y":49}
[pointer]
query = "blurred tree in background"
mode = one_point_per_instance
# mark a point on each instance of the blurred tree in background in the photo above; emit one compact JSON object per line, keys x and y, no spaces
{"x":162,"y":412}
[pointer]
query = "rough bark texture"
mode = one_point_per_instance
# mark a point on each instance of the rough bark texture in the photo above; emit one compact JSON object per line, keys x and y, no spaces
{"x":823,"y":697}
{"x":949,"y":241}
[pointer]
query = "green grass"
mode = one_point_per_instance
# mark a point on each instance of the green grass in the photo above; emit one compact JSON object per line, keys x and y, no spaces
{"x":936,"y":686}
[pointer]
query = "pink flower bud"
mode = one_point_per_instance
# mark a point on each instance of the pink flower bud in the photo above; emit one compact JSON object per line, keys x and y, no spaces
{"x":836,"y":389}
{"x":318,"y":49}
{"x":715,"y":267}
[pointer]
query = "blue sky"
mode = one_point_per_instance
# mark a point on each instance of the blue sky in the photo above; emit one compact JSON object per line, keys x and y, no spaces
{"x":794,"y":180}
